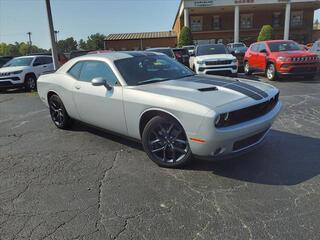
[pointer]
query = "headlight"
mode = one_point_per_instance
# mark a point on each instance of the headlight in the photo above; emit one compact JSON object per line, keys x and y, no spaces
{"x":222,"y":120}
{"x":284,"y":59}
{"x":200,"y":62}
{"x":234,"y":61}
{"x":17,"y":72}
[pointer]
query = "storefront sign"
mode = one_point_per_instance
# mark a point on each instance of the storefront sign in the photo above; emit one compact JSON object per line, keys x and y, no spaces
{"x":203,"y":3}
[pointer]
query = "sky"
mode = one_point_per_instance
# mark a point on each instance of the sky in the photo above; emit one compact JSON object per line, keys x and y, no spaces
{"x":80,"y":18}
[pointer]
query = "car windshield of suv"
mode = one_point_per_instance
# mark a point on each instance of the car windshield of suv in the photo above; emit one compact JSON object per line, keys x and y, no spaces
{"x":150,"y":69}
{"x":239,"y":45}
{"x":211,"y":49}
{"x":283,"y":46}
{"x":17,"y":62}
{"x":165,"y":51}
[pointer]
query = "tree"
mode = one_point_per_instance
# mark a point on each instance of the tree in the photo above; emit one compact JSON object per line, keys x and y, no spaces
{"x":95,"y":42}
{"x":82,"y":44}
{"x":266,"y":33}
{"x":67,"y":45}
{"x":185,"y":37}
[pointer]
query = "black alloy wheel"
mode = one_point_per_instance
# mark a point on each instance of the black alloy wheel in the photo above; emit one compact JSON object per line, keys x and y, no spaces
{"x":58,"y":113}
{"x":166,"y":143}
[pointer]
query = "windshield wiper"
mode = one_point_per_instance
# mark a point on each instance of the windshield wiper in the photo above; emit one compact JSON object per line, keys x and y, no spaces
{"x":152,"y":81}
{"x":190,"y":75}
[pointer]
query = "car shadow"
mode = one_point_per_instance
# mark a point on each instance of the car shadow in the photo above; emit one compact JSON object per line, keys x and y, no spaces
{"x":12,"y":91}
{"x":283,"y":159}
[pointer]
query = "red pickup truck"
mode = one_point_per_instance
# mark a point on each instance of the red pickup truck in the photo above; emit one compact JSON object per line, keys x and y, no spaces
{"x":278,"y":58}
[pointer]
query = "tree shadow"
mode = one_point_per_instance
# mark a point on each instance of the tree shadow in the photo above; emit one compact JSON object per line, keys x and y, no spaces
{"x":283,"y":159}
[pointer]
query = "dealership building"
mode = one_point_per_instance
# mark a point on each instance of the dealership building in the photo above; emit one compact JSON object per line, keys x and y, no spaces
{"x":227,"y":21}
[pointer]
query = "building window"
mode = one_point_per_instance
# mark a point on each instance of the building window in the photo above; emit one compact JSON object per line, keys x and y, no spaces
{"x":216,"y":22}
{"x":196,"y":23}
{"x":246,"y":21}
{"x":276,"y":19}
{"x":297,"y":18}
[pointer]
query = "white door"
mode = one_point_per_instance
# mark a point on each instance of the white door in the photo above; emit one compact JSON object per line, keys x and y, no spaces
{"x":42,"y":65}
{"x":95,"y":104}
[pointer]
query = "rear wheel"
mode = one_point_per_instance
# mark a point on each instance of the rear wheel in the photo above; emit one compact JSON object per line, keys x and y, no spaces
{"x":30,"y":83}
{"x":58,"y":113}
{"x":165,"y":142}
{"x":271,"y":72}
{"x":246,"y":69}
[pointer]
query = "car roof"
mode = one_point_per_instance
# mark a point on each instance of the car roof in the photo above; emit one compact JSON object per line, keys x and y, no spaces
{"x":113,"y":56}
{"x":33,"y":56}
{"x":159,"y":48}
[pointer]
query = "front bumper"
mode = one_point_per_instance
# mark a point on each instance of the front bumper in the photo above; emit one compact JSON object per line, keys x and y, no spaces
{"x":231,"y":141}
{"x":301,"y":69}
{"x":10,"y":82}
{"x":226,"y":69}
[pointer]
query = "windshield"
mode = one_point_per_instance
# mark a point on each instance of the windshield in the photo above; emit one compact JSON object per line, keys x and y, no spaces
{"x":150,"y":69}
{"x":17,"y":62}
{"x":239,"y":45}
{"x":211,"y":49}
{"x":283,"y":46}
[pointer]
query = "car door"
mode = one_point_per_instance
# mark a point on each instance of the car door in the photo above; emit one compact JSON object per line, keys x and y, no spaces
{"x":95,"y":104}
{"x":38,"y":66}
{"x":261,"y":57}
{"x":253,"y":56}
{"x":48,"y":63}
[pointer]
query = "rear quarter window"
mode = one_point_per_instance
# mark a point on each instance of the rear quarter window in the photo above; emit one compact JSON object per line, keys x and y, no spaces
{"x":75,"y":70}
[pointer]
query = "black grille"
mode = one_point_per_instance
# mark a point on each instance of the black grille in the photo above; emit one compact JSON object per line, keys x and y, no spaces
{"x":248,"y":141}
{"x":4,"y":84}
{"x":247,"y":114}
{"x":224,"y":62}
{"x":303,"y":69}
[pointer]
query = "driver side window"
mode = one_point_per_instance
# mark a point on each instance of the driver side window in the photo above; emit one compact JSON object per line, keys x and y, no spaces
{"x":94,"y":69}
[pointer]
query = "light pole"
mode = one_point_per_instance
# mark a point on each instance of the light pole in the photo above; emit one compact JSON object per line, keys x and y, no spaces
{"x":30,"y":42}
{"x":56,"y":35}
{"x":52,"y":38}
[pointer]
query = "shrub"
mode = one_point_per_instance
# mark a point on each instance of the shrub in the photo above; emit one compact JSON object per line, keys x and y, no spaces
{"x":185,"y":37}
{"x":266,"y":33}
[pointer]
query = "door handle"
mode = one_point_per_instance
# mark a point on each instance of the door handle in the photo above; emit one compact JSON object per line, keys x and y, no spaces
{"x":77,"y":87}
{"x":44,"y":66}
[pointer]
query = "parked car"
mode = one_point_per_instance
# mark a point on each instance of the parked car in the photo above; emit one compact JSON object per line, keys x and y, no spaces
{"x":152,"y":98}
{"x":165,"y":50}
{"x":278,"y":58}
{"x":315,"y":48}
{"x":190,"y":48}
{"x":62,"y":58}
{"x":238,"y":50}
{"x":176,"y":53}
{"x":4,"y":60}
{"x":182,"y":55}
{"x":24,"y":71}
{"x":214,"y":59}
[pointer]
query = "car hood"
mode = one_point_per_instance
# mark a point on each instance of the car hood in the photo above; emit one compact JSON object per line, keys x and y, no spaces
{"x":212,"y":91}
{"x":294,"y":54}
{"x":13,"y":69}
{"x":215,"y":57}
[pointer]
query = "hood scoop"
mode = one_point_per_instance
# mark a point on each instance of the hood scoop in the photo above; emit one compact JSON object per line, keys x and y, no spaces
{"x":208,"y":89}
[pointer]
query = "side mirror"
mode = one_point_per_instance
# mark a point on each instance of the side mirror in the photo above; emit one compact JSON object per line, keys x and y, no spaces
{"x":99,"y":81}
{"x":263,"y":51}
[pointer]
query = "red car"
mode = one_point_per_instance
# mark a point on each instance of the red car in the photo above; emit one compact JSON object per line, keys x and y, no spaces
{"x":278,"y":58}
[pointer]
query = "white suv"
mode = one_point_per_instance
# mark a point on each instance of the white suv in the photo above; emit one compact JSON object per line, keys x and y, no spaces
{"x":214,"y":59}
{"x":24,"y":71}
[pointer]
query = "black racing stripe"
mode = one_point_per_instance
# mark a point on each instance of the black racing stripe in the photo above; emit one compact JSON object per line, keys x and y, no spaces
{"x":252,"y":88}
{"x":230,"y":84}
{"x":244,"y":91}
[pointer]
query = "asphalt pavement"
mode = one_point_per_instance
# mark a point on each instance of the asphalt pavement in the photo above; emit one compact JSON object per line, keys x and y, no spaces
{"x":88,"y":184}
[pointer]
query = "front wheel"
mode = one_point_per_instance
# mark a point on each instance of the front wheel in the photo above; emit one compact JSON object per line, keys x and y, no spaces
{"x":166,"y":143}
{"x":58,"y":113}
{"x":271,"y":72}
{"x":247,"y":68}
{"x":30,"y":83}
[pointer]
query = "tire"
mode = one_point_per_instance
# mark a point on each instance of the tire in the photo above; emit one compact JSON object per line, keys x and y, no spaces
{"x":30,"y":83}
{"x":58,"y":113}
{"x":271,"y":72}
{"x":246,"y":69}
{"x":165,"y":142}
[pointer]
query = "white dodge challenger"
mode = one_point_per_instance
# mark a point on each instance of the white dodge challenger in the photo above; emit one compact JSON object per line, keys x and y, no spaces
{"x":152,"y":98}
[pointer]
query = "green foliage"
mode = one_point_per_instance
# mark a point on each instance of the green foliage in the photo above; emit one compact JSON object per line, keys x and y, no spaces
{"x":18,"y":49}
{"x":94,"y":42}
{"x":266,"y":33}
{"x":185,"y":37}
{"x":67,"y":45}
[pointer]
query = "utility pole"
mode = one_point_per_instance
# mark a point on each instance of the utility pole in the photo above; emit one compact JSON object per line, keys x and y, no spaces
{"x":52,"y":38}
{"x":56,"y":35}
{"x":30,"y":42}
